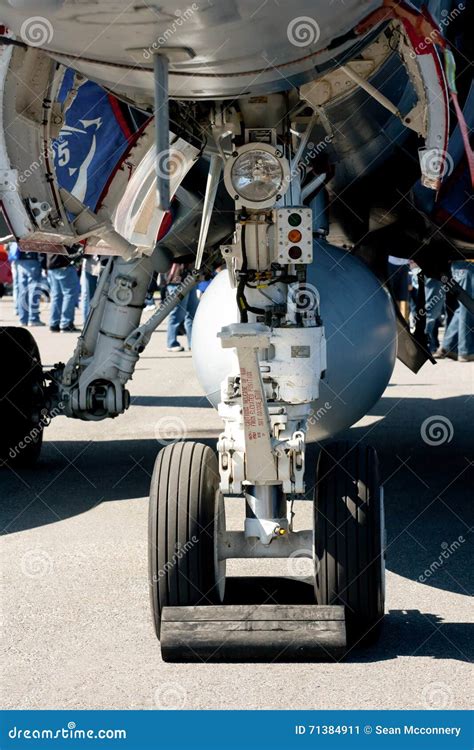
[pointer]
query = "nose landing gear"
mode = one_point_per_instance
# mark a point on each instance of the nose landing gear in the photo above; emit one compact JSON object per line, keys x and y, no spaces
{"x":278,"y":360}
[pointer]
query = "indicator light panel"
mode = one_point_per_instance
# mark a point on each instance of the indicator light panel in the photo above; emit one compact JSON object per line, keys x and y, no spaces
{"x":294,"y":235}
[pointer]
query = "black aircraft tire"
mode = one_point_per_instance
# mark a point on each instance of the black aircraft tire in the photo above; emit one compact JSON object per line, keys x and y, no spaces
{"x":349,"y":545}
{"x":21,"y":398}
{"x":182,"y":527}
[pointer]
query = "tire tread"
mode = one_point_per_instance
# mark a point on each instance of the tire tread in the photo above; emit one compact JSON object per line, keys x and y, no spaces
{"x":182,"y":506}
{"x":347,"y":493}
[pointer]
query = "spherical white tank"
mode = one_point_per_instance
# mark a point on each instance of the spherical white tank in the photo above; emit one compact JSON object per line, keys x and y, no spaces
{"x":360,"y":327}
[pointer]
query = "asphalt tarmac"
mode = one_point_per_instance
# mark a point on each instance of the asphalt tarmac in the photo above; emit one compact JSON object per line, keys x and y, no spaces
{"x":77,"y":630}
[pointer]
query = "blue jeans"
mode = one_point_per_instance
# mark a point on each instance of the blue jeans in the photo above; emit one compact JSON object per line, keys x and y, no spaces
{"x":185,"y":311}
{"x":435,"y":298}
{"x":64,"y":289}
{"x":29,"y":291}
{"x":459,"y":335}
{"x":16,"y":286}
{"x":88,"y":287}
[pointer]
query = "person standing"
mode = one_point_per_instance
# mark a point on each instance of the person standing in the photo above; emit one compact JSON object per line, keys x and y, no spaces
{"x":435,"y":298}
{"x":458,"y":341}
{"x":150,"y":295}
{"x":64,"y":283}
{"x":90,"y":272}
{"x":29,"y":288}
{"x":162,"y":286}
{"x":183,"y":312}
{"x":6,"y":278}
{"x":13,"y":257}
{"x":398,"y":271}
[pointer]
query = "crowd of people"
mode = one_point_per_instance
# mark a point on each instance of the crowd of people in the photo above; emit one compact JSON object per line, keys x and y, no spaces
{"x":69,"y":283}
{"x":441,"y":308}
{"x":59,"y":278}
{"x":180,"y":319}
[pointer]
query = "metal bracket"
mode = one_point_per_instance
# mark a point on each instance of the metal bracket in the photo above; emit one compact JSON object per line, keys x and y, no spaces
{"x":248,"y":340}
{"x":236,"y":545}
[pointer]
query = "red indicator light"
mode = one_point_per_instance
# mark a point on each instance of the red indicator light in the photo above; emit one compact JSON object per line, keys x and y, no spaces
{"x":295,"y":252}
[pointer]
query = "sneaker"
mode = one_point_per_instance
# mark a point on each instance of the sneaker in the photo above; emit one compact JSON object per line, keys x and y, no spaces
{"x":71,"y":328}
{"x":176,"y":348}
{"x":54,"y":329}
{"x":443,"y":354}
{"x":466,"y":358}
{"x":36,"y":323}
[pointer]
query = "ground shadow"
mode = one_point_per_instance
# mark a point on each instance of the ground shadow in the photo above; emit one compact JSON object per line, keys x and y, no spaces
{"x":172,"y":402}
{"x":403,"y":632}
{"x":428,"y":510}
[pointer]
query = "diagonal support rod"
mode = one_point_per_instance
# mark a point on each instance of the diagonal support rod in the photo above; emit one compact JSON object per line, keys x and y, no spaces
{"x":215,"y":169}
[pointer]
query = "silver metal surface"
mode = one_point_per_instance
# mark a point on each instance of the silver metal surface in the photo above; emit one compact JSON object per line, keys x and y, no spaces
{"x":235,"y":545}
{"x":162,"y":127}
{"x":265,"y":501}
{"x":221,"y":49}
{"x":215,"y":169}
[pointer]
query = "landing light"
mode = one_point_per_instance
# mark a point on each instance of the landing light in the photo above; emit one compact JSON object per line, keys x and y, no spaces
{"x":256,"y":175}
